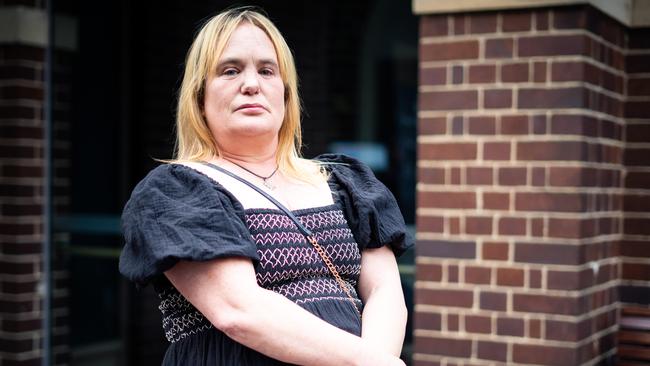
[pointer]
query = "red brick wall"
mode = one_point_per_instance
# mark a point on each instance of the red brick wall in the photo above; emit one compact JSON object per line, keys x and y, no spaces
{"x":635,"y":246}
{"x":521,"y":176}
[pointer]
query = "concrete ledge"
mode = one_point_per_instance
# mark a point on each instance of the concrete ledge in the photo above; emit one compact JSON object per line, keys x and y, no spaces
{"x":632,"y":13}
{"x":28,"y":26}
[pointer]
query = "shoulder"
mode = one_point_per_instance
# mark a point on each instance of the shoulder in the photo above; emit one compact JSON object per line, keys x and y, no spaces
{"x":176,"y":213}
{"x":342,"y":163}
{"x":179,"y":178}
{"x":177,"y":184}
{"x":172,"y":176}
{"x":370,"y":208}
{"x":349,"y":171}
{"x":338,"y":160}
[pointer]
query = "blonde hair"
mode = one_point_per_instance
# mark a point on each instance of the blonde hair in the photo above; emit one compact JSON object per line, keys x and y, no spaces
{"x":194,"y":140}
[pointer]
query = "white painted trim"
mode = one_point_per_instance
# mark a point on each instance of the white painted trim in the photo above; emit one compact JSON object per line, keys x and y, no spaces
{"x":19,"y":24}
{"x":641,"y":13}
{"x":620,"y":10}
{"x":437,"y":6}
{"x":28,"y":26}
{"x":633,"y":13}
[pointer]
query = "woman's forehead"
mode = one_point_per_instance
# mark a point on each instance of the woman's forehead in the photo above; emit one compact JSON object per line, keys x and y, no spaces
{"x":246,"y":41}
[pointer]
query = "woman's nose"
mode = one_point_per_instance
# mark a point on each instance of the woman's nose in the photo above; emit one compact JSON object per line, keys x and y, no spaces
{"x":250,"y":83}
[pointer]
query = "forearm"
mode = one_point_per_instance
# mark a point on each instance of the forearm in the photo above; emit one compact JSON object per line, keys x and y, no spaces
{"x":226,"y":293}
{"x":282,"y":330}
{"x":384,"y":319}
{"x":380,"y":288}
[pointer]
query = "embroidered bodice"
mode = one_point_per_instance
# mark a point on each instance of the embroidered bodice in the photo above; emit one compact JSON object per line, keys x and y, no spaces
{"x":288,"y":265}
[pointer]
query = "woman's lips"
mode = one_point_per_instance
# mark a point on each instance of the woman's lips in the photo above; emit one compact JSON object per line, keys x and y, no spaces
{"x":251,"y":108}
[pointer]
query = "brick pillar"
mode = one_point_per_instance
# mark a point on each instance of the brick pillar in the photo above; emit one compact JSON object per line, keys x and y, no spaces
{"x":635,"y":246}
{"x":521,"y":185}
{"x":21,"y":200}
{"x":22,"y":180}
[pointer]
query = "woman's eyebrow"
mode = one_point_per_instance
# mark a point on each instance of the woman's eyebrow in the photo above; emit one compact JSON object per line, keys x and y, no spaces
{"x":268,"y":61}
{"x":239,"y":62}
{"x":230,"y":61}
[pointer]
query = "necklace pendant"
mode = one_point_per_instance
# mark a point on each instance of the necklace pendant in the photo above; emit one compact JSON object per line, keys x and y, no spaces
{"x":268,"y":185}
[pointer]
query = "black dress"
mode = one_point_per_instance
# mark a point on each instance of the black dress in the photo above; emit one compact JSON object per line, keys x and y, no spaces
{"x":177,"y":213}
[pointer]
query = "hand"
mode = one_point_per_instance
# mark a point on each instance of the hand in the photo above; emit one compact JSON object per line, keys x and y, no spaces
{"x":373,"y":357}
{"x":396,"y":362}
{"x":390,"y":360}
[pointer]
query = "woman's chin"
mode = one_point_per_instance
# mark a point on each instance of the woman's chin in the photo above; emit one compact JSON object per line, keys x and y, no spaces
{"x":238,"y":129}
{"x":255,"y":130}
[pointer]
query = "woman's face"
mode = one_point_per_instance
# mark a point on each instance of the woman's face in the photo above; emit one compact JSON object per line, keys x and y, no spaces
{"x":245,"y":97}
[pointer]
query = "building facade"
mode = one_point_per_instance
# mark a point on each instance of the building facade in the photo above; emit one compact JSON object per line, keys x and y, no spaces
{"x":533,"y":181}
{"x":530,"y":203}
{"x":87,"y":104}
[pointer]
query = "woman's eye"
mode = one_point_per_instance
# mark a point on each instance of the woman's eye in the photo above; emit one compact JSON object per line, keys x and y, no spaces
{"x":266,"y":72}
{"x":230,"y":72}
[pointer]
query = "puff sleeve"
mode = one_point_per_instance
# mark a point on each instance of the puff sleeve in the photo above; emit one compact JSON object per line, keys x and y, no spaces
{"x":370,"y":208}
{"x":176,"y":213}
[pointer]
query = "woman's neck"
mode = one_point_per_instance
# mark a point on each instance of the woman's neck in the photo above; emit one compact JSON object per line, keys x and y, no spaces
{"x":258,"y":160}
{"x":249,"y":152}
{"x":261,"y":164}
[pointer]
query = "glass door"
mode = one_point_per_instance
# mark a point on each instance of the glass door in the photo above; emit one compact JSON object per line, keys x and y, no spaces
{"x":89,"y":143}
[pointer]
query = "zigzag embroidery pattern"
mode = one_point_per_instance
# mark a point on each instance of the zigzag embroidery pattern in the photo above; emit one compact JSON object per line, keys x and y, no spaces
{"x":288,"y":265}
{"x":180,"y":318}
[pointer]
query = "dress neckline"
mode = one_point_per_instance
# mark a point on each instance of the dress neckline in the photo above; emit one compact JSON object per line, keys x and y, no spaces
{"x":238,"y":205}
{"x":298,"y":212}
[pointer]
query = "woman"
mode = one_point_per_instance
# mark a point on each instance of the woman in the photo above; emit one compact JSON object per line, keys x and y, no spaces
{"x":239,"y":283}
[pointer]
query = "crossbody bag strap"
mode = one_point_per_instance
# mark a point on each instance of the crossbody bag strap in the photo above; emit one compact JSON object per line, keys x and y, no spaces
{"x":306,"y":232}
{"x":293,"y":218}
